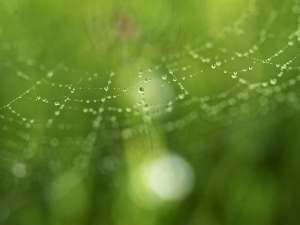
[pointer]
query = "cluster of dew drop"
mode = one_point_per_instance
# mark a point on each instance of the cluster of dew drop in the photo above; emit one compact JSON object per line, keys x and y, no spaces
{"x":227,"y":107}
{"x":245,"y":100}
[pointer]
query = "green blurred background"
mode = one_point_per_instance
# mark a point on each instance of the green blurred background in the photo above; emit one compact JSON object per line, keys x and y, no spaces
{"x":221,"y":92}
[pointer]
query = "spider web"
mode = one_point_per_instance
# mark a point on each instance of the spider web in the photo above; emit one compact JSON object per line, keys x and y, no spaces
{"x":60,"y":112}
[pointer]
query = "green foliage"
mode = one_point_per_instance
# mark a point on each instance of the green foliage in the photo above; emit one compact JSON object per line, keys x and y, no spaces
{"x":149,"y":112}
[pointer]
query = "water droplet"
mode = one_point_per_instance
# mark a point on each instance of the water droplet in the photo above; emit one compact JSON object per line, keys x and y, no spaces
{"x":195,"y":56}
{"x":219,"y":63}
{"x":146,"y":107}
{"x":19,"y":170}
{"x":106,"y":88}
{"x":38,"y":97}
{"x":85,"y":110}
{"x":140,"y":73}
{"x":56,"y":103}
{"x":124,"y":89}
{"x":242,"y":81}
{"x":291,"y":43}
{"x":49,"y":74}
{"x":273,"y":81}
{"x":234,"y":75}
{"x":181,"y":96}
{"x":250,"y":67}
{"x":209,"y":45}
{"x":96,"y":124}
{"x":169,"y":108}
{"x":174,"y":79}
{"x":141,"y":90}
{"x":213,"y":66}
{"x":225,"y":71}
{"x":57,"y":112}
{"x":164,"y":77}
{"x":277,"y":65}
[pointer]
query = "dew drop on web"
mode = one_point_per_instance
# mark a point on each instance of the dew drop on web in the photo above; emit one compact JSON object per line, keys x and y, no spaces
{"x":141,"y":90}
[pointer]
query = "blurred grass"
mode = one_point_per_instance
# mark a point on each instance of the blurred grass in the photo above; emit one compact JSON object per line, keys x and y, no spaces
{"x":246,"y":173}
